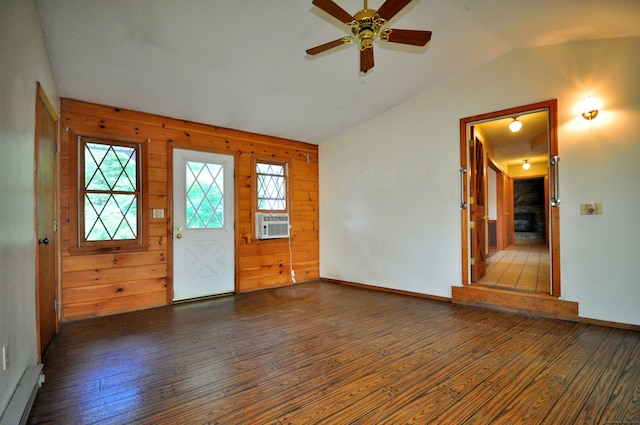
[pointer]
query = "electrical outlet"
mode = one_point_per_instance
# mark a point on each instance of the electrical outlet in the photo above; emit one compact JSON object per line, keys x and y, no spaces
{"x":5,"y":357}
{"x":591,"y":208}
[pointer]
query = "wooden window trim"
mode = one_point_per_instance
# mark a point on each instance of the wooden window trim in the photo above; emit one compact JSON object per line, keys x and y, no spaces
{"x":76,"y":214}
{"x":254,"y":197}
{"x":287,"y":182}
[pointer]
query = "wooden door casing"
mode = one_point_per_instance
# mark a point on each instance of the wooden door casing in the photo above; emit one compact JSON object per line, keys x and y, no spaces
{"x":551,"y":106}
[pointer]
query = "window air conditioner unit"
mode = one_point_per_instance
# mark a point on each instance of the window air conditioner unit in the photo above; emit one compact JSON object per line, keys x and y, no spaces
{"x":272,"y":226}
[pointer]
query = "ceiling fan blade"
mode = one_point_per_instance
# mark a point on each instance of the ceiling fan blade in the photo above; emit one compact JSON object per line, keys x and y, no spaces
{"x":413,"y":37}
{"x":334,"y":10}
{"x":326,"y":46}
{"x":366,"y":59}
{"x":390,"y":7}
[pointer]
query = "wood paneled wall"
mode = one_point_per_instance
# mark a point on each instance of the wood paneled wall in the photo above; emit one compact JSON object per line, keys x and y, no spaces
{"x":107,"y":283}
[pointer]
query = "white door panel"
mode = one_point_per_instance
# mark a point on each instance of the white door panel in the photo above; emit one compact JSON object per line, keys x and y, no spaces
{"x":203,"y":205}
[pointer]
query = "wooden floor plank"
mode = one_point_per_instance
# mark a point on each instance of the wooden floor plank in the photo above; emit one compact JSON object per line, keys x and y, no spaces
{"x":430,"y":407}
{"x":536,"y":400}
{"x":316,"y":366}
{"x":357,"y":362}
{"x":572,"y":401}
{"x":323,"y":353}
{"x":624,"y":404}
{"x":591,"y":411}
{"x":448,"y":381}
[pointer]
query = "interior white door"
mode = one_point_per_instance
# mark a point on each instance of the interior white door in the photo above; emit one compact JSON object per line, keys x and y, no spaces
{"x":203,"y":234}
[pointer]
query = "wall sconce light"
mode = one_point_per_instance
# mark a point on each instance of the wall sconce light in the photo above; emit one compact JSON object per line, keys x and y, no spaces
{"x":590,"y":107}
{"x":515,"y":125}
{"x":526,"y":164}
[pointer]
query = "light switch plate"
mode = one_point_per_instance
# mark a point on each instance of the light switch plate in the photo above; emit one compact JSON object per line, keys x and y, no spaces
{"x":158,"y":213}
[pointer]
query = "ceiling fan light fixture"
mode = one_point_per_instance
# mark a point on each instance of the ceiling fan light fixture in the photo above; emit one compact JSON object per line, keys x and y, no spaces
{"x":515,"y":125}
{"x":526,"y":164}
{"x":366,"y":39}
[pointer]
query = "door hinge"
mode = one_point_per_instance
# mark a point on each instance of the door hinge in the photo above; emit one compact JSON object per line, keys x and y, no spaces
{"x":470,"y":143}
{"x":56,"y":305}
{"x":472,"y":225}
{"x":55,"y":147}
{"x":472,"y":261}
{"x":55,"y":226}
{"x":471,"y":200}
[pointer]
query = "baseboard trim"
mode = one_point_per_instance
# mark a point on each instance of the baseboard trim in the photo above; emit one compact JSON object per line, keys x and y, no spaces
{"x":608,"y":324}
{"x":383,"y":289}
{"x":19,"y":407}
{"x":508,"y":301}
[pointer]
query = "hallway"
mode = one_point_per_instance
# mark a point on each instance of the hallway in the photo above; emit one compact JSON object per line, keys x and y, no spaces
{"x":521,"y":267}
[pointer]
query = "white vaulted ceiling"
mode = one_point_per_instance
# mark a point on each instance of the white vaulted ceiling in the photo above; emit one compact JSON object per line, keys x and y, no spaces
{"x":241,"y":63}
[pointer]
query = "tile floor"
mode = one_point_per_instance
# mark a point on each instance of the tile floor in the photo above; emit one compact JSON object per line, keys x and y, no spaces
{"x":522,"y":267}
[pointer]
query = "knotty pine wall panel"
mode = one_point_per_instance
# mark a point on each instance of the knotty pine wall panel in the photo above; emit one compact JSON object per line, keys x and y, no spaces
{"x":99,"y":284}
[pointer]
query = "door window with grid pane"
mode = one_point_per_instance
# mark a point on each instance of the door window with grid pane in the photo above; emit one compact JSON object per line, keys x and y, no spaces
{"x":271,"y":186}
{"x":109,"y":193}
{"x":204,"y":200}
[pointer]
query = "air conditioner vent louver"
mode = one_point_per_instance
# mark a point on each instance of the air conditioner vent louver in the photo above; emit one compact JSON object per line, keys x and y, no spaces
{"x":272,"y":226}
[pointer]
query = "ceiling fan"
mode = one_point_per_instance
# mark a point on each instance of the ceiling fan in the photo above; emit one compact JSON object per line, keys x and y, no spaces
{"x":366,"y":25}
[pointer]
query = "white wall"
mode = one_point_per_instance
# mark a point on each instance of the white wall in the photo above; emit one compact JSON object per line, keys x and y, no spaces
{"x":492,"y":201}
{"x":389,"y":189}
{"x":23,"y":62}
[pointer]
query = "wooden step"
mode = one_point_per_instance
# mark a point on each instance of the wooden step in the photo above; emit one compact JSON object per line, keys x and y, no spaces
{"x":534,"y":304}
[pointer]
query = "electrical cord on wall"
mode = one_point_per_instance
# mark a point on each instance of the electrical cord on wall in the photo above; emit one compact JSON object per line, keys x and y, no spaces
{"x":293,"y":274}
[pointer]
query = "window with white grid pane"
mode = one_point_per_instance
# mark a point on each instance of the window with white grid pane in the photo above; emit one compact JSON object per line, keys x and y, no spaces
{"x":271,"y":184}
{"x":109,"y":194}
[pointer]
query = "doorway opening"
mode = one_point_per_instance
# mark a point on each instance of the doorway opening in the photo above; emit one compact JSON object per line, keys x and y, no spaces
{"x":522,"y":263}
{"x":529,"y":213}
{"x":510,"y":215}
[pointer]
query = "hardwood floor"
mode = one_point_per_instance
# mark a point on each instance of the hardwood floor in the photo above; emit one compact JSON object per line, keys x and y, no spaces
{"x":522,"y":267}
{"x":333,"y":354}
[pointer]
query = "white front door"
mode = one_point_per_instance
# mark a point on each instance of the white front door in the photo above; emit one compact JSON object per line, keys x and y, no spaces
{"x":203,"y":224}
